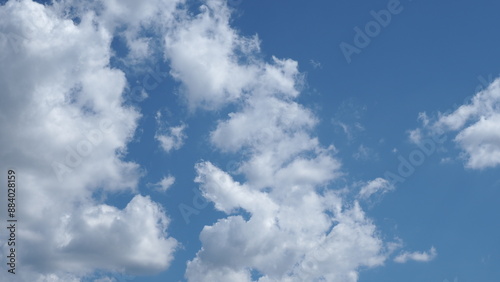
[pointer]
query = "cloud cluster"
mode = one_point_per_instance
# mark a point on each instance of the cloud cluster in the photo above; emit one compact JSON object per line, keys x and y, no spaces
{"x":64,"y":126}
{"x":64,"y":129}
{"x":282,"y":223}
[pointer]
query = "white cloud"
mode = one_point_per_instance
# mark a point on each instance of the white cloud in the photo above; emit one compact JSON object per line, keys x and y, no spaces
{"x":477,"y":127}
{"x":203,"y":53}
{"x":136,"y":16}
{"x":170,"y":138}
{"x":112,"y":233}
{"x":415,"y":136}
{"x":65,"y":130}
{"x":315,"y":64}
{"x":306,"y":231}
{"x":200,"y":50}
{"x":377,"y":185}
{"x":417,"y":256}
{"x":164,"y":183}
{"x":364,"y":153}
{"x":173,"y":139}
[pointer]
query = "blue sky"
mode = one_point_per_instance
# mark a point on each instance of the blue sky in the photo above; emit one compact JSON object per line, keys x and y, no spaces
{"x":238,"y":141}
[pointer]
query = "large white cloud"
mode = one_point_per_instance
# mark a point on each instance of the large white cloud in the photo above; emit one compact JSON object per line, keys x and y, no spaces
{"x":64,"y":128}
{"x":215,"y":64}
{"x":476,"y":126}
{"x":300,"y":237}
{"x":282,"y":222}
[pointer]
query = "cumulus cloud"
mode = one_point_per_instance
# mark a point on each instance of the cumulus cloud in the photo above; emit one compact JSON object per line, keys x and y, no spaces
{"x":136,"y":16}
{"x":65,"y":129}
{"x":215,"y":64}
{"x":282,"y":221}
{"x":112,"y":233}
{"x":302,"y":237}
{"x":417,"y":256}
{"x":415,"y":136}
{"x":201,"y":53}
{"x":476,"y":126}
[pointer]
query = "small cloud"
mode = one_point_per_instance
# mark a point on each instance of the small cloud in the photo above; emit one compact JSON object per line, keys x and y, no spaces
{"x":415,"y":136}
{"x":377,"y":185}
{"x":417,"y":256}
{"x":164,"y":183}
{"x":446,"y":160}
{"x":364,"y":153}
{"x":315,"y":64}
{"x":422,"y":117}
{"x":173,"y":139}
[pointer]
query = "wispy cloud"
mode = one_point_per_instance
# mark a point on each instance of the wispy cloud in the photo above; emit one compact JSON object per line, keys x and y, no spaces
{"x":378,"y":185}
{"x":417,"y":256}
{"x":164,"y":184}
